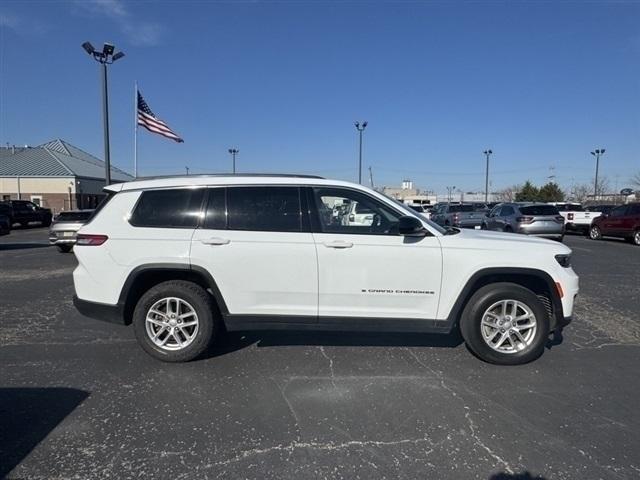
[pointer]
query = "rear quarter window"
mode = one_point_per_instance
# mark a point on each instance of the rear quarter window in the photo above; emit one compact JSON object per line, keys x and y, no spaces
{"x":170,"y":208}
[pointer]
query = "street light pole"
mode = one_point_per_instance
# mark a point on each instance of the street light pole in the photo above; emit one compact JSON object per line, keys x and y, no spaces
{"x":487,"y":153}
{"x":450,"y":190}
{"x":360,"y":127}
{"x":597,"y":153}
{"x":234,"y":152}
{"x":107,"y":56}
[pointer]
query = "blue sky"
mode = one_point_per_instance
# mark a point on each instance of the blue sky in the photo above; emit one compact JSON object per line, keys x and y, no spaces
{"x":540,"y":83}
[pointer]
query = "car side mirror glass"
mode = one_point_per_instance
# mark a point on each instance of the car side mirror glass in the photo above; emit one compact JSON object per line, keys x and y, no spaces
{"x":411,"y":226}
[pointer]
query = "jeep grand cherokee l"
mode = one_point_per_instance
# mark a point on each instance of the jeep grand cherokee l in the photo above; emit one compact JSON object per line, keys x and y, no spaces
{"x":182,"y":258}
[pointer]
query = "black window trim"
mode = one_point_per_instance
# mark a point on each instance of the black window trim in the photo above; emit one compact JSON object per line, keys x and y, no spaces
{"x":143,"y":191}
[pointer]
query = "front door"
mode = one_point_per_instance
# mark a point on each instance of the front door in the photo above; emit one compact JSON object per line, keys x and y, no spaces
{"x":366,"y":269}
{"x":263,"y":258}
{"x":614,"y":223}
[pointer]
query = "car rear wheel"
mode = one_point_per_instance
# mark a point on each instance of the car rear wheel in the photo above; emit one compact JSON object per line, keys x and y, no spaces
{"x":635,"y":239}
{"x":505,"y":324}
{"x":508,"y":229}
{"x":174,"y":321}
{"x":595,"y":233}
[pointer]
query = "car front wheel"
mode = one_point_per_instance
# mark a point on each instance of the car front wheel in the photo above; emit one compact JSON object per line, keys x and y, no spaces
{"x":595,"y":233}
{"x":505,"y":324}
{"x":174,"y":321}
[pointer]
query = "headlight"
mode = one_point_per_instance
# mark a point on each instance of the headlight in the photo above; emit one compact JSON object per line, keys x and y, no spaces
{"x":564,"y":260}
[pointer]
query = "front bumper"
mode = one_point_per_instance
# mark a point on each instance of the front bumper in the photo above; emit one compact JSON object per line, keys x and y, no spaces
{"x":100,"y":311}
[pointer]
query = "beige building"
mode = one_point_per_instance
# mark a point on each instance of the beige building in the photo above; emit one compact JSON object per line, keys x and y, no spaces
{"x":406,"y":193}
{"x":54,"y":175}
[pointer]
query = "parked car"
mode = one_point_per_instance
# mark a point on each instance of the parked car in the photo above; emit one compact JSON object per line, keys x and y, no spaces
{"x":62,"y":232}
{"x":577,"y":218}
{"x":5,"y":225}
{"x":184,"y":258}
{"x":603,"y":209}
{"x":623,"y":222}
{"x":23,"y":212}
{"x":423,"y":209}
{"x":538,"y":219}
{"x":463,"y":215}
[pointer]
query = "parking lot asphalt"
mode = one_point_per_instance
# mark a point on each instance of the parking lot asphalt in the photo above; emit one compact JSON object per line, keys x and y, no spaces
{"x":80,"y":399}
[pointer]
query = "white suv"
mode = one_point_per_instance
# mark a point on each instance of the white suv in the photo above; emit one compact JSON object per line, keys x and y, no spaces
{"x":184,"y":258}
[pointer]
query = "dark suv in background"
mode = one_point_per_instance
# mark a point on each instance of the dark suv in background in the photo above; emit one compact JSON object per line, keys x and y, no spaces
{"x":623,"y":222}
{"x":24,"y":212}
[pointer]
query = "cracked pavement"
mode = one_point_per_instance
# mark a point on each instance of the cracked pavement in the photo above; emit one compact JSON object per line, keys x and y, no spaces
{"x":79,"y":398}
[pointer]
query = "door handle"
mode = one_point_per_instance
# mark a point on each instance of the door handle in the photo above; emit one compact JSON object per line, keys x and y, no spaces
{"x":338,"y":244}
{"x":215,"y":241}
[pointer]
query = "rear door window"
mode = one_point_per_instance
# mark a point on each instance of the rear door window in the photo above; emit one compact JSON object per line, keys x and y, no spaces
{"x":461,"y":208}
{"x":265,"y":209}
{"x":170,"y":208}
{"x":506,"y":211}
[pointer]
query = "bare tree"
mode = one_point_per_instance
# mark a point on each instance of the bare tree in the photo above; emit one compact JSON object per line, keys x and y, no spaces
{"x":580,"y":193}
{"x":636,"y":179}
{"x":508,"y":194}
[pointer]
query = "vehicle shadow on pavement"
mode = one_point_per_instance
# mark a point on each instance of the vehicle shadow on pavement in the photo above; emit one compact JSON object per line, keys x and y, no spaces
{"x":27,"y":416}
{"x":21,"y":246}
{"x":516,"y":476}
{"x":233,"y":341}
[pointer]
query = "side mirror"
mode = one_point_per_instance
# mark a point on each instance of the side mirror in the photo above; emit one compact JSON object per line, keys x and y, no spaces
{"x":411,"y":226}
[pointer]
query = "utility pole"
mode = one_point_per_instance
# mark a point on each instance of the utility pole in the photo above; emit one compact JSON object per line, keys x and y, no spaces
{"x":371,"y":177}
{"x":597,"y":153}
{"x":487,"y":153}
{"x":106,"y":57}
{"x":360,"y":128}
{"x":234,"y":152}
{"x":187,"y":169}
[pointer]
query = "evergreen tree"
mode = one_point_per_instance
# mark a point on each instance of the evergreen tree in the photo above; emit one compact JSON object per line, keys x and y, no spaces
{"x":528,"y":193}
{"x":551,"y":192}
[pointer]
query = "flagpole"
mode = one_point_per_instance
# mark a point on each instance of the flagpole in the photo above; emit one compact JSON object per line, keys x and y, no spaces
{"x":135,"y":132}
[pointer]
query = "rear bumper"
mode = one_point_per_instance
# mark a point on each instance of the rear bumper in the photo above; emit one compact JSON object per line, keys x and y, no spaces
{"x":100,"y":311}
{"x":576,"y":227}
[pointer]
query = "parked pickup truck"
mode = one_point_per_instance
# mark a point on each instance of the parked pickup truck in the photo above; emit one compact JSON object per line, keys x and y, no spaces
{"x":24,"y":212}
{"x":576,"y":218}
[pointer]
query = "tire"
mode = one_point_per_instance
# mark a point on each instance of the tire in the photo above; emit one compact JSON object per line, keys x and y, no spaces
{"x":194,"y":298}
{"x":474,"y":331}
{"x":46,"y":222}
{"x":508,"y":229}
{"x":483,"y":226}
{"x":595,"y":233}
{"x":65,"y":248}
{"x":635,"y":239}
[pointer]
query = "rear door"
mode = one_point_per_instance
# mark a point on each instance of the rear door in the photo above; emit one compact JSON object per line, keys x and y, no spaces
{"x":368,"y":270}
{"x":255,"y":243}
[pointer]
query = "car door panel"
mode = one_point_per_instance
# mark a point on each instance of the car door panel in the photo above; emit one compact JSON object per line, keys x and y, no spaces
{"x":373,"y":272}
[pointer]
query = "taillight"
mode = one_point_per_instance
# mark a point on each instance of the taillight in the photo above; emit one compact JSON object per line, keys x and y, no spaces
{"x":456,"y":217}
{"x":569,"y":216}
{"x":560,"y":218}
{"x":524,"y":219}
{"x":90,"y":240}
{"x":352,"y":217}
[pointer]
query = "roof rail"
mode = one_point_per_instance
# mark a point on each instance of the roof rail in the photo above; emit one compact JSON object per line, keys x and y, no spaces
{"x":287,"y":175}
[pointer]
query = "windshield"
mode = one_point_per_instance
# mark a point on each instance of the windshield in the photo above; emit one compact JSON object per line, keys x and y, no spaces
{"x":570,"y":207}
{"x":461,"y":208}
{"x":539,"y":210}
{"x":74,"y":216}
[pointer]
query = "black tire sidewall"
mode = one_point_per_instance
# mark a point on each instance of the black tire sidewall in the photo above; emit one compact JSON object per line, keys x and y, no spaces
{"x":193,"y":294}
{"x":483,"y":299}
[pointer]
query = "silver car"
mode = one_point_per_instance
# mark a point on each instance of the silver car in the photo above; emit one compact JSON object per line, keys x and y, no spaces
{"x":538,"y":219}
{"x":62,"y":232}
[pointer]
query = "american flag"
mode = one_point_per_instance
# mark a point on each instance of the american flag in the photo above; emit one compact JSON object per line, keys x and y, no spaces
{"x":148,"y":120}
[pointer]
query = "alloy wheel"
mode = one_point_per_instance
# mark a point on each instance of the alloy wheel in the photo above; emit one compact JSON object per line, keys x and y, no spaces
{"x":171,"y":323}
{"x":508,"y":326}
